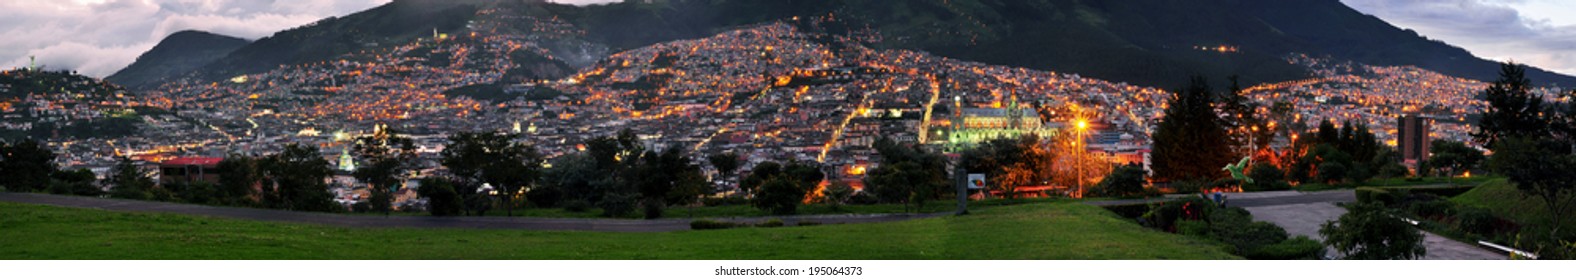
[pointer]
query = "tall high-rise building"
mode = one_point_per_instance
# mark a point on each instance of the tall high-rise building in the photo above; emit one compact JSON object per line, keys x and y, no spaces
{"x":1412,"y":138}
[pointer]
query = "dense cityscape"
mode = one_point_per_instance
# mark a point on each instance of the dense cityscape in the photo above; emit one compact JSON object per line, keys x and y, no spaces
{"x":809,"y":118}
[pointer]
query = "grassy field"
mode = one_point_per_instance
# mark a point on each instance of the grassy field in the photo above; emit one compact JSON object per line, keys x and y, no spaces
{"x":1056,"y":230}
{"x":1503,"y":199}
{"x":1398,"y":182}
{"x":933,"y":206}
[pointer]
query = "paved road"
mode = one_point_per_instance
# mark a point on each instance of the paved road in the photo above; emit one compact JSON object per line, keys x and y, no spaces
{"x":1301,"y":213}
{"x":531,"y":223}
{"x":1305,"y":219}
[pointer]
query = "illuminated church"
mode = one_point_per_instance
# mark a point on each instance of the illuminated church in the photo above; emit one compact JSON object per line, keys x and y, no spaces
{"x":971,"y":126}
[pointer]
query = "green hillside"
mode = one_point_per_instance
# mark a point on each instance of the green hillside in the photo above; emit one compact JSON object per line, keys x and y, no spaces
{"x":1503,"y":199}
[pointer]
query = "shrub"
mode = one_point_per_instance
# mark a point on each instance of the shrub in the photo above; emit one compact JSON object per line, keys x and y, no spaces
{"x":862,"y":198}
{"x":1442,"y":192}
{"x":1331,"y":172}
{"x":1193,"y":228}
{"x":1392,"y":171}
{"x":1125,"y":181}
{"x":653,"y":208}
{"x":726,"y":200}
{"x":771,"y":223}
{"x":1376,"y":195}
{"x":361,"y":207}
{"x":1222,"y":183}
{"x":617,"y":204}
{"x":1130,"y":211}
{"x":1266,"y":178}
{"x":1476,"y":221}
{"x":577,"y":206}
{"x":710,"y":224}
{"x":1433,"y":209}
{"x":1369,"y":231}
{"x":1189,"y":186}
{"x":1297,"y":248}
{"x":544,"y":197}
{"x":1164,"y":215}
{"x":1247,"y":237}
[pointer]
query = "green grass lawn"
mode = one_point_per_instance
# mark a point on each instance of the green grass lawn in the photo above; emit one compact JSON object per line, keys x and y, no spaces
{"x":1055,"y":230}
{"x":933,"y":206}
{"x":1503,"y":199}
{"x":1398,"y":182}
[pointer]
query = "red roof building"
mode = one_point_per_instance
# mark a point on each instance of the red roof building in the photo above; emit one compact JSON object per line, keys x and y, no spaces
{"x":189,"y":169}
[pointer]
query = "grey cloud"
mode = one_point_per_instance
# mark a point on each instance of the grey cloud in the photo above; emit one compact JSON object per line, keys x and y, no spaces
{"x":98,"y":39}
{"x":1487,"y":28}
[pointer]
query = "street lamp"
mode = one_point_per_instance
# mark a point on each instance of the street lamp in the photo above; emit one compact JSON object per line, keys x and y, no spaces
{"x":1083,"y":125}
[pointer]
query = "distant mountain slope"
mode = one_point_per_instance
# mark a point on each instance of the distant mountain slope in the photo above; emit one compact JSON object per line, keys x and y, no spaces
{"x":1340,"y":31}
{"x":177,"y":54}
{"x":1144,"y":42}
{"x":390,"y":24}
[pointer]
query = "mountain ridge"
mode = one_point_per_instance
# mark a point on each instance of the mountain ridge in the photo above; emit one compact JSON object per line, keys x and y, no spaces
{"x":177,"y":54}
{"x":1144,"y":42}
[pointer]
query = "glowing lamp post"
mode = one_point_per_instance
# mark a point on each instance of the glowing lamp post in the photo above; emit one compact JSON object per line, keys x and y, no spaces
{"x":1082,"y":125}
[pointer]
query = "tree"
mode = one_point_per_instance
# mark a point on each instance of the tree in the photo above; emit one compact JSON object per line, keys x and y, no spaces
{"x":616,"y":157}
{"x":929,"y":170}
{"x":572,"y":176}
{"x":1125,"y":181}
{"x":689,"y":188}
{"x":658,"y":175}
{"x":195,"y":192}
{"x":26,"y":165}
{"x":758,"y":175}
{"x":293,"y":180}
{"x":74,"y":182}
{"x":1513,"y":111}
{"x":238,"y":179}
{"x":492,"y":159}
{"x":726,"y":164}
{"x":1387,"y":164}
{"x":1190,"y":143}
{"x":1453,"y":157}
{"x":1540,"y":168}
{"x":128,"y":181}
{"x":780,"y":195}
{"x":1246,"y":128}
{"x":442,"y":199}
{"x":1373,"y":232}
{"x":1266,"y":177}
{"x":1332,"y":172}
{"x":837,"y":193}
{"x":386,"y":158}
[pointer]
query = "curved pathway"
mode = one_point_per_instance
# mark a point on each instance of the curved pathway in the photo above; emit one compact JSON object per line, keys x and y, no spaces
{"x":1301,"y":213}
{"x":531,"y":223}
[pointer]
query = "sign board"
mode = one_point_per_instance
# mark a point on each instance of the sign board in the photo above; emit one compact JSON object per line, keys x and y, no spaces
{"x":976,"y":181}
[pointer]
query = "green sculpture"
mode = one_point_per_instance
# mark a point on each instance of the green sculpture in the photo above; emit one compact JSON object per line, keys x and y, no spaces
{"x":1236,"y":170}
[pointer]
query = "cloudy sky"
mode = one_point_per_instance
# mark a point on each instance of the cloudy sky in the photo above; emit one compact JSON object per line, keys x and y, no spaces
{"x":1536,"y":32}
{"x":98,"y":37}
